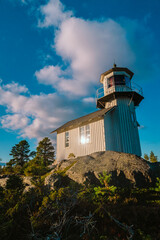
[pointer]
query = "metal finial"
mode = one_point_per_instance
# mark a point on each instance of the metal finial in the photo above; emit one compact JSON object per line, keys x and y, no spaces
{"x":114,"y":65}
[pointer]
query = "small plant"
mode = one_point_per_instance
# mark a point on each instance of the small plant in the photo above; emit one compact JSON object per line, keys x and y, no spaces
{"x":71,"y":155}
{"x":144,"y":236}
{"x":105,"y":190}
{"x":105,"y":179}
{"x":157,"y":188}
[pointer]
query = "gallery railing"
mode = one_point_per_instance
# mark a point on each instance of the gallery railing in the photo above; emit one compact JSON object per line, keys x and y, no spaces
{"x":101,"y":92}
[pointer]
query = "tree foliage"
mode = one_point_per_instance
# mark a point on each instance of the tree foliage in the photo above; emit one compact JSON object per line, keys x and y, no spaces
{"x":14,"y":182}
{"x":146,"y":157}
{"x":68,"y":210}
{"x":152,"y":158}
{"x":74,"y":211}
{"x":21,"y":154}
{"x":45,"y":151}
{"x":35,"y":167}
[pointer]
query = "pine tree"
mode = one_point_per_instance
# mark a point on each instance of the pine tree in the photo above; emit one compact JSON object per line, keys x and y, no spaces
{"x":153,"y":158}
{"x":146,"y":157}
{"x":21,"y":153}
{"x":45,"y":151}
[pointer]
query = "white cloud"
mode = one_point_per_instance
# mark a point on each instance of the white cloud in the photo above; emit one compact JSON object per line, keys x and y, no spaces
{"x":14,"y":122}
{"x":89,"y":100}
{"x":16,"y":88}
{"x":34,"y":116}
{"x":90,"y":47}
{"x":54,"y":13}
{"x":50,"y":75}
{"x":87,"y":48}
{"x":13,"y":101}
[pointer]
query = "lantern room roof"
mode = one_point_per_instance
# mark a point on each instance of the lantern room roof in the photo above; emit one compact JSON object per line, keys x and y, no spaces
{"x":116,"y":69}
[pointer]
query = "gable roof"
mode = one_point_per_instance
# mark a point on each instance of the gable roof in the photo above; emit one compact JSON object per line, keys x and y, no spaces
{"x":89,"y":118}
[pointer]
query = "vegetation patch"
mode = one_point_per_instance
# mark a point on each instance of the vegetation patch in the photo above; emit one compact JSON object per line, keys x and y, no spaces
{"x":69,"y":211}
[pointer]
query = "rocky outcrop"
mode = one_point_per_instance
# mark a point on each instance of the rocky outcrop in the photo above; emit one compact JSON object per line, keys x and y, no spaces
{"x":126,"y":169}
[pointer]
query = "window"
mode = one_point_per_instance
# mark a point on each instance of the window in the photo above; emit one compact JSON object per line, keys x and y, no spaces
{"x":85,"y":134}
{"x":119,"y":80}
{"x":110,"y":82}
{"x":66,"y":139}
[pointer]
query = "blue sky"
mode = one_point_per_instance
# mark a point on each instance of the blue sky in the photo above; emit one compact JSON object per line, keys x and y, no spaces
{"x":52,"y":54}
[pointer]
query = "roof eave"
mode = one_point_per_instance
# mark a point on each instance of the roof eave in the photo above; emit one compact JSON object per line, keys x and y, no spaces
{"x":116,"y":69}
{"x":64,"y":128}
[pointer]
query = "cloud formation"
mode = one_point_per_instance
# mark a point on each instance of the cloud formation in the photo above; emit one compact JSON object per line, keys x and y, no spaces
{"x":34,"y":116}
{"x":14,"y":122}
{"x":86,"y":49}
{"x":16,"y":88}
{"x":51,"y":75}
{"x":89,"y":100}
{"x":54,"y":13}
{"x":90,"y":48}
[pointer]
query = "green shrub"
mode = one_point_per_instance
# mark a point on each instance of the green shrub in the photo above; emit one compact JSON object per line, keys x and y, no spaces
{"x":14,"y":182}
{"x":157,"y":188}
{"x":35,"y":168}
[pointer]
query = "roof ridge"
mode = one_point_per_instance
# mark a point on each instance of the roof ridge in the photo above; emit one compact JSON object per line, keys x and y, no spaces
{"x":78,"y":121}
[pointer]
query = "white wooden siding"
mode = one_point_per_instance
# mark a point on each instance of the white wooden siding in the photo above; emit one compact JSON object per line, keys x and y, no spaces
{"x":96,"y":144}
{"x":121,"y":133}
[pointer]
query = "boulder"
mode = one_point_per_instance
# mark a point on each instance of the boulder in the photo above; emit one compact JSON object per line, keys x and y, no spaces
{"x":3,"y":180}
{"x":127,"y":170}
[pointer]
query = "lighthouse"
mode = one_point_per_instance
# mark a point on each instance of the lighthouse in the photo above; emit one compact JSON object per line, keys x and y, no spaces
{"x":120,"y":123}
{"x":113,"y":127}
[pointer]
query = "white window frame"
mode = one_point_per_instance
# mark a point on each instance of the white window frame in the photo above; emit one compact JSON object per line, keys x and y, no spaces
{"x":85,"y":138}
{"x":66,"y":139}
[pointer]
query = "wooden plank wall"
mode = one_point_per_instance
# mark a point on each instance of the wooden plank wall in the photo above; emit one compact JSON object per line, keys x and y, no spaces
{"x":96,"y":144}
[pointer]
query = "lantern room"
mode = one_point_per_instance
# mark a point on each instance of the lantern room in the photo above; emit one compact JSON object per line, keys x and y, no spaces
{"x":117,"y":82}
{"x":116,"y":77}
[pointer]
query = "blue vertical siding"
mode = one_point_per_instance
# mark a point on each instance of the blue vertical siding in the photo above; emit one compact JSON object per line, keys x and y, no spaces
{"x":121,"y":132}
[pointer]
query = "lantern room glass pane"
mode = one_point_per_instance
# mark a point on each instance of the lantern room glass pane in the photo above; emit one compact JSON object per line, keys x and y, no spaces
{"x":110,"y":82}
{"x":119,"y":79}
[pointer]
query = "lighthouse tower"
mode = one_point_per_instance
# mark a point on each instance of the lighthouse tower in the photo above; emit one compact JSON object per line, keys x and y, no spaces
{"x":122,"y":96}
